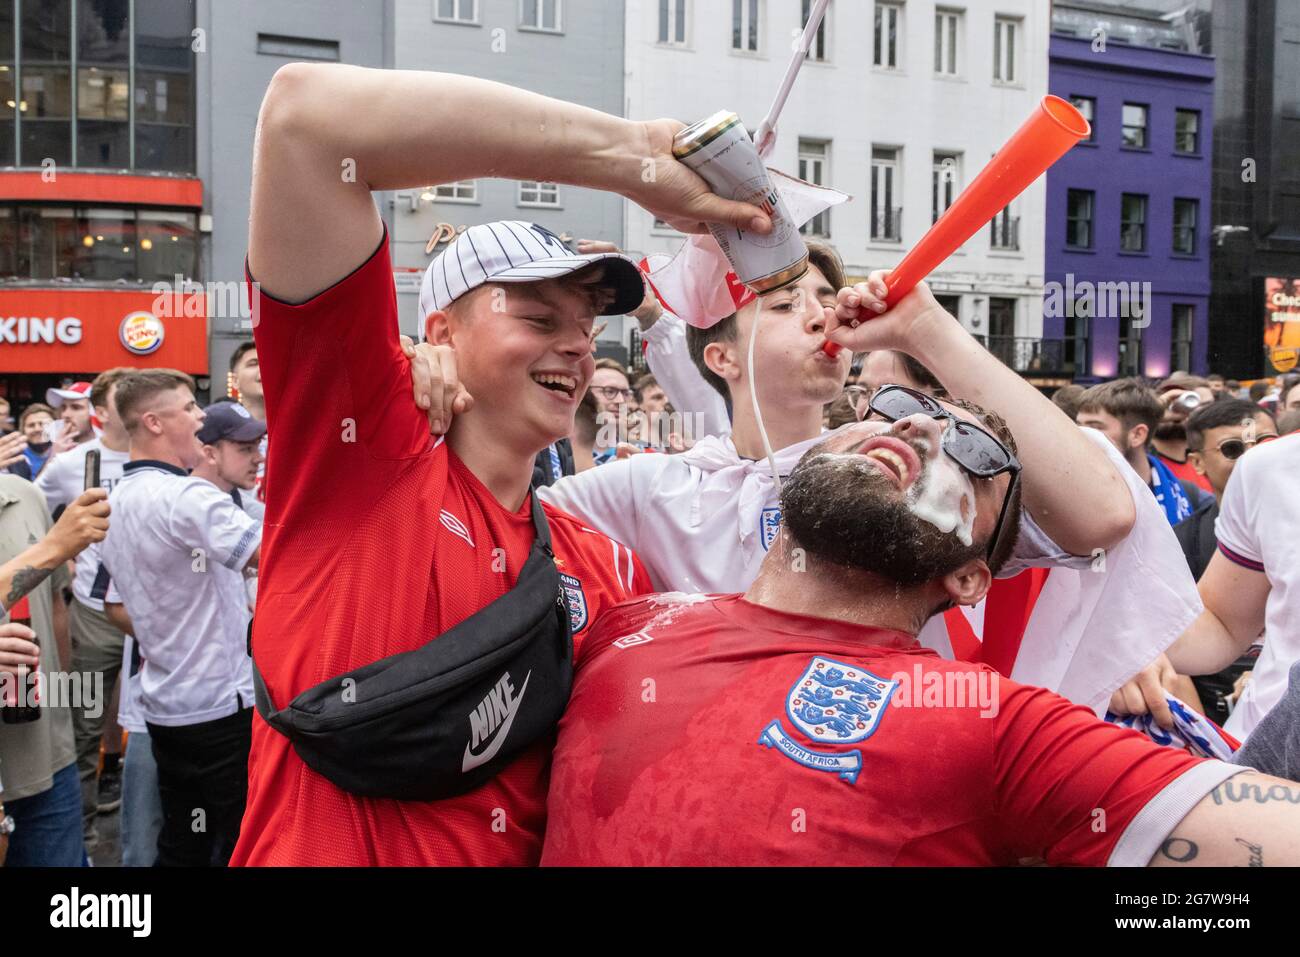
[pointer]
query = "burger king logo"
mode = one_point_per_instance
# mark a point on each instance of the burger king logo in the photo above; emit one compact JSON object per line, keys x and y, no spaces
{"x":141,"y":333}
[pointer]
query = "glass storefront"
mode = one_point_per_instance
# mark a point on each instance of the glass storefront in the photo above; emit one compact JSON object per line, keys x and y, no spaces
{"x":97,"y":243}
{"x":131,"y":105}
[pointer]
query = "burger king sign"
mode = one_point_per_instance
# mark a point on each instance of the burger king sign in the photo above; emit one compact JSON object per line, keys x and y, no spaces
{"x":141,"y":333}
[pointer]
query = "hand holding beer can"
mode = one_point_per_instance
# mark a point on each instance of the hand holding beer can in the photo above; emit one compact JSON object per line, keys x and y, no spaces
{"x":720,"y":150}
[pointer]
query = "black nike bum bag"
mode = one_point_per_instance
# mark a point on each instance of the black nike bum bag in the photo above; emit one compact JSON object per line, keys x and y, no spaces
{"x":445,"y":718}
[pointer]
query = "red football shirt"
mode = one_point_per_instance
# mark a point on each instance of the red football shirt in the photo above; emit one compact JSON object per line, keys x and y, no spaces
{"x":1186,"y":472}
{"x":377,"y":538}
{"x":721,"y":732}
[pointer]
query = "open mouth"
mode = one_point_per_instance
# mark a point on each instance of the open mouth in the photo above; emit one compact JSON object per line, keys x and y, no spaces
{"x":893,"y":457}
{"x":566,"y":385}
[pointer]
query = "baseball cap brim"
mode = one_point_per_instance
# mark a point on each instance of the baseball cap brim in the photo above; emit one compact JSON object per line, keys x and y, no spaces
{"x":245,"y":431}
{"x":56,"y":397}
{"x":622,"y":274}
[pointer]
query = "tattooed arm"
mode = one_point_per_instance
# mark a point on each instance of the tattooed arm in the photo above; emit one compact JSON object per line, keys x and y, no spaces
{"x":82,"y":522}
{"x":1251,"y":820}
{"x":24,"y":573}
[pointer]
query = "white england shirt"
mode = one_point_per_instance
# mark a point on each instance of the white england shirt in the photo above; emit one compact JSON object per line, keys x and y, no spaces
{"x":62,"y":482}
{"x":175,"y":554}
{"x":702,"y":522}
{"x":1259,"y":528}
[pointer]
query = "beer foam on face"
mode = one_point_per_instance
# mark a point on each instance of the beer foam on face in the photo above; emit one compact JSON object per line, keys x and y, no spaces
{"x":939,"y":496}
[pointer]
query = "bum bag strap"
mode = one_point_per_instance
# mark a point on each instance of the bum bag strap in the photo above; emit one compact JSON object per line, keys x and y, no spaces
{"x":282,"y":720}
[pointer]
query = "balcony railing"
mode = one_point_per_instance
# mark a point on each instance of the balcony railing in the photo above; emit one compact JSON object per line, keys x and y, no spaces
{"x":1038,"y":357}
{"x":1005,"y":232}
{"x":887,"y":225}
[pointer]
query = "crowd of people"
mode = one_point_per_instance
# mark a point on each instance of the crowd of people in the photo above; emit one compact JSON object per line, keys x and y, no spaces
{"x":894,"y":599}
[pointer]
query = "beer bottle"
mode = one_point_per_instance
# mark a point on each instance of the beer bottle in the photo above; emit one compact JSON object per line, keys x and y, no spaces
{"x":26,"y":708}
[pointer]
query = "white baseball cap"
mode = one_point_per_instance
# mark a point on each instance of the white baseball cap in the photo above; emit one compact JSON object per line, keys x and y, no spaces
{"x":56,"y":397}
{"x":514,"y":251}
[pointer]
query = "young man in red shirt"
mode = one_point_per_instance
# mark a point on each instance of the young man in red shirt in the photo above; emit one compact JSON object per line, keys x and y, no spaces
{"x":802,"y":724}
{"x":378,"y":537}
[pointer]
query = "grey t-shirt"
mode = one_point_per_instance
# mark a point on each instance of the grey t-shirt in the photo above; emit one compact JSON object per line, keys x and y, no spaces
{"x":1273,"y":747}
{"x":31,"y":753}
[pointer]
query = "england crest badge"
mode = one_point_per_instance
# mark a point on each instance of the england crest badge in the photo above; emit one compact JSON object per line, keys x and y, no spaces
{"x":576,"y":601}
{"x":835,"y":703}
{"x":769,"y":524}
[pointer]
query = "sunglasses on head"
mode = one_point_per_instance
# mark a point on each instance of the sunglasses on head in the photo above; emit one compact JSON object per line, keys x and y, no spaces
{"x":976,"y":450}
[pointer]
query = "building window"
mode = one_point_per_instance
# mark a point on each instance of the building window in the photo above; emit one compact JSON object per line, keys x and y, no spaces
{"x":540,"y":15}
{"x":947,"y":26}
{"x":1078,"y":219}
{"x":889,"y":35}
{"x":8,"y":98}
{"x":818,"y":50}
{"x":1130,"y":347}
{"x":1006,"y":34}
{"x":464,"y":191}
{"x":1133,"y":223}
{"x":1185,"y":230}
{"x":1180,"y":341}
{"x":45,"y":100}
{"x":1002,"y":331}
{"x":164,"y":85}
{"x":103,"y":84}
{"x":533,"y":193}
{"x":1135,"y":126}
{"x":85,"y":119}
{"x":814,"y":161}
{"x":945,"y":172}
{"x":886,"y":218}
{"x":1075,"y":347}
{"x":168,"y":243}
{"x":296,"y":48}
{"x":744,"y":25}
{"x":672,"y":22}
{"x":97,"y":244}
{"x":1187,"y":128}
{"x":456,"y":11}
{"x":1005,"y":229}
{"x":1087,"y":106}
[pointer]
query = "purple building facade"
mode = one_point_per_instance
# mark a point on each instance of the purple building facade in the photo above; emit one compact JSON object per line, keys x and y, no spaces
{"x":1127,"y":264}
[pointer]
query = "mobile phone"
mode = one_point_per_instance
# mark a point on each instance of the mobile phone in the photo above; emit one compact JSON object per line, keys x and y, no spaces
{"x":92,"y":470}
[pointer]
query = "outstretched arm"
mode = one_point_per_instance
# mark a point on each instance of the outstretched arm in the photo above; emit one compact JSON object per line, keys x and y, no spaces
{"x":82,"y":522}
{"x":1074,"y":492}
{"x":328,"y":134}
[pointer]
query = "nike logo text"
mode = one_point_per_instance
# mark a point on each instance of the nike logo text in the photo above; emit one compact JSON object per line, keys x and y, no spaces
{"x":494,"y":714}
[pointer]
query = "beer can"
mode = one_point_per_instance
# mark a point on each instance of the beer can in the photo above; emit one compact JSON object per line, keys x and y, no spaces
{"x":720,"y":150}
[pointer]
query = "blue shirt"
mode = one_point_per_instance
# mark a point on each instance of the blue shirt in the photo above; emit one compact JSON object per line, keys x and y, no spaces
{"x":36,"y":460}
{"x":1168,"y":491}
